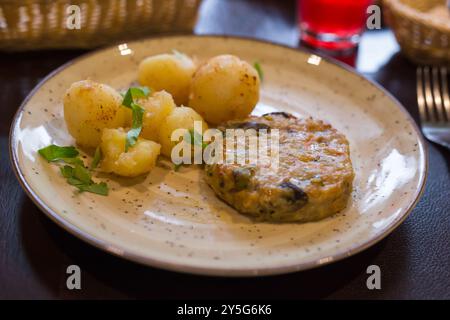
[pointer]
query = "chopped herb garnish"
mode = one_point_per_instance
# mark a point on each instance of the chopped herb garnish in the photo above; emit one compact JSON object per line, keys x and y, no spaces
{"x":136,"y":127}
{"x":75,"y":182}
{"x":55,"y":153}
{"x":73,"y":161}
{"x":74,"y":171}
{"x":97,"y":158}
{"x":196,"y":139}
{"x":66,"y":171}
{"x":98,"y":188}
{"x":80,"y":177}
{"x":138,"y":113}
{"x":82,"y":174}
{"x":134,"y":93}
{"x":259,"y":69}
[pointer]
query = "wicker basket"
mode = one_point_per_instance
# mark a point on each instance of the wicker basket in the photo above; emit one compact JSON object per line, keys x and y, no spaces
{"x":39,"y":24}
{"x":424,"y":38}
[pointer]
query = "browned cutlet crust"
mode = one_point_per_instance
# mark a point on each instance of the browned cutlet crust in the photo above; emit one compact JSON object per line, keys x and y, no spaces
{"x":313,"y":180}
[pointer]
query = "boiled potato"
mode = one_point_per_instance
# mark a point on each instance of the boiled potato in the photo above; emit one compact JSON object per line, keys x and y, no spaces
{"x":224,"y":88}
{"x":139,"y":159}
{"x":180,"y":118}
{"x":89,"y":107}
{"x":170,"y":72}
{"x":157,"y":108}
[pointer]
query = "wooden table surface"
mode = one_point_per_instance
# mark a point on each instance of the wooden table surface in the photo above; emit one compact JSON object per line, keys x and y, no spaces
{"x":34,"y":252}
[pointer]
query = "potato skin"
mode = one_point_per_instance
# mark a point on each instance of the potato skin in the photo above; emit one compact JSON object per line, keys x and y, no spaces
{"x":180,"y":118}
{"x":89,"y":107}
{"x":170,"y":72}
{"x":224,"y":88}
{"x":139,"y":159}
{"x":157,"y":108}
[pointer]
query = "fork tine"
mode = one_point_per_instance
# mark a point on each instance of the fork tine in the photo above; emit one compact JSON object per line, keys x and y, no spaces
{"x":445,"y":95}
{"x":440,"y":113}
{"x":429,"y":103}
{"x":420,"y":95}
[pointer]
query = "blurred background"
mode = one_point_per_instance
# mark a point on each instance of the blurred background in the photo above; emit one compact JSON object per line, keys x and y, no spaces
{"x":422,"y":27}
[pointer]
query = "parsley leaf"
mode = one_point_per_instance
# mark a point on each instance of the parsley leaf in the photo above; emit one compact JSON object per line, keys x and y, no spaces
{"x":74,"y":171}
{"x":136,"y":127}
{"x":73,"y":161}
{"x":196,"y":139}
{"x":97,"y":157}
{"x":67,"y":171}
{"x":75,"y":182}
{"x":134,"y":93}
{"x":138,"y":113}
{"x":54,"y":152}
{"x":259,"y":69}
{"x":92,"y":187}
{"x":82,"y":174}
{"x":98,"y":188}
{"x":80,"y":178}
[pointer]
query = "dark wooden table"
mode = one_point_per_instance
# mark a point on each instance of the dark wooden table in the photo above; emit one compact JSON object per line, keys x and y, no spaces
{"x":34,"y":252}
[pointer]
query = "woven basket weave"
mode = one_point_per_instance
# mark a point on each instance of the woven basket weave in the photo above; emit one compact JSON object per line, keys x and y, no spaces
{"x":423,"y":38}
{"x":39,"y":24}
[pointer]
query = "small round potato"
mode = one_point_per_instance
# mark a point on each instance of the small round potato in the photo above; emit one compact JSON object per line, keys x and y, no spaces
{"x":157,"y":108}
{"x":139,"y":159}
{"x":224,"y":88}
{"x":89,"y":107}
{"x":170,"y":72}
{"x":180,"y":118}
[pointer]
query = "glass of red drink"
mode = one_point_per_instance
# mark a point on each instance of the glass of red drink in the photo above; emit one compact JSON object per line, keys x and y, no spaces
{"x":332,"y":24}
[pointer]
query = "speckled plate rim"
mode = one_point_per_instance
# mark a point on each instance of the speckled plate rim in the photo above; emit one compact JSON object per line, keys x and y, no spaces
{"x":208,"y":271}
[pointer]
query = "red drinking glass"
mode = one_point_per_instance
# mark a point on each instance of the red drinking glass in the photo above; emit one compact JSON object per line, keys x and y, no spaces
{"x":332,"y":24}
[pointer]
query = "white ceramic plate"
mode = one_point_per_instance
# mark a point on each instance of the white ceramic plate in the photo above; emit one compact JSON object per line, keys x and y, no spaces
{"x":173,"y":220}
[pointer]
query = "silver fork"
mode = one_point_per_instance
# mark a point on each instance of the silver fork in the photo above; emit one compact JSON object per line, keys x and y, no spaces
{"x":434,"y":104}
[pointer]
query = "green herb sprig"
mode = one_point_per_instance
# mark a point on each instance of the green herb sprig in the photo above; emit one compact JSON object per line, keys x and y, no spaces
{"x":74,"y":170}
{"x":97,"y":158}
{"x":259,"y":69}
{"x":54,"y":153}
{"x":80,"y":177}
{"x":196,"y":138}
{"x":137,"y":113}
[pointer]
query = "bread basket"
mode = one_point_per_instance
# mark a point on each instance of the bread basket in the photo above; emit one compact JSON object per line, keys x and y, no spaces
{"x":422,"y":29}
{"x":39,"y":24}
